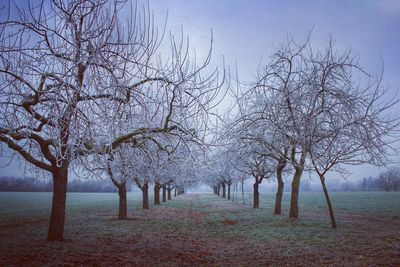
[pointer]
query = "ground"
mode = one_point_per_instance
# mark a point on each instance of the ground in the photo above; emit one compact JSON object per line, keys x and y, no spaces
{"x":202,"y":230}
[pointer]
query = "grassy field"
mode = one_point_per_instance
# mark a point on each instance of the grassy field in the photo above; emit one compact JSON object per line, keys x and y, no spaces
{"x":202,"y":230}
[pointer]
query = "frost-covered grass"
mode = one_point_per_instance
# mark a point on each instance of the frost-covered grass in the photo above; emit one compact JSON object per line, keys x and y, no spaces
{"x":378,"y":203}
{"x":202,"y":230}
{"x":14,"y":205}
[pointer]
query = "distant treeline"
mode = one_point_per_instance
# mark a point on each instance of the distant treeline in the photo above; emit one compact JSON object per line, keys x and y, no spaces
{"x":31,"y":184}
{"x":387,"y":180}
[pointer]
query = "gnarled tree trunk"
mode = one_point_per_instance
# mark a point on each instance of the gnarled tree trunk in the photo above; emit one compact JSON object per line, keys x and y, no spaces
{"x":294,"y":200}
{"x":57,"y":217}
{"x":164,"y":193}
{"x":123,"y":205}
{"x":223,"y":190}
{"x":157,"y":193}
{"x":169,"y":192}
{"x":279,"y":192}
{"x":256,"y":195}
{"x":145,"y":194}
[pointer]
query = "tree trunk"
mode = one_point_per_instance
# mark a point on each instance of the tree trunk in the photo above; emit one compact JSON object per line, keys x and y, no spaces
{"x":256,"y":195}
{"x":279,"y":192}
{"x":294,"y":201}
{"x":244,"y":202}
{"x":278,"y":199}
{"x":223,"y":190}
{"x":219,"y":190}
{"x":157,"y":193}
{"x":123,"y":205}
{"x":57,"y":217}
{"x":164,"y":193}
{"x":175,"y":191}
{"x":145,"y":193}
{"x":328,"y":201}
{"x":229,"y":191}
{"x":169,"y":192}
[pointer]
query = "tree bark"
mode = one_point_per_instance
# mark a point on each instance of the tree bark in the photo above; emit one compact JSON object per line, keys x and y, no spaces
{"x":169,"y":192}
{"x":279,"y":192}
{"x":157,"y":193}
{"x":123,"y":205}
{"x":164,"y":193}
{"x":229,"y":191}
{"x":223,"y":190}
{"x":57,"y":217}
{"x":294,"y":201}
{"x":328,"y":201}
{"x":145,"y":194}
{"x":256,"y":195}
{"x":244,"y":202}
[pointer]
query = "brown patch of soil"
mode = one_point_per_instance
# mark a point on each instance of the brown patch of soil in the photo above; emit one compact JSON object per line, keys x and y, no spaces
{"x":229,"y":222}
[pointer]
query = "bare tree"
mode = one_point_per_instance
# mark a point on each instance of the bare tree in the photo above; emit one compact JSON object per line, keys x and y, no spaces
{"x":253,"y":163}
{"x":351,"y":125}
{"x":327,"y":111}
{"x":66,"y":64}
{"x":118,"y":176}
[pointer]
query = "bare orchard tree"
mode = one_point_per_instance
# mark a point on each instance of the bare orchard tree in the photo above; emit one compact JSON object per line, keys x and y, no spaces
{"x":66,"y":69}
{"x":351,"y":124}
{"x":118,"y":171}
{"x":327,"y":110}
{"x":260,"y":168}
{"x":116,"y":166}
{"x":58,"y":60}
{"x":250,"y":159}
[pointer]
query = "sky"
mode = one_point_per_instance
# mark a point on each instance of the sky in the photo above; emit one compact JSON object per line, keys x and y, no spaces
{"x":246,"y":32}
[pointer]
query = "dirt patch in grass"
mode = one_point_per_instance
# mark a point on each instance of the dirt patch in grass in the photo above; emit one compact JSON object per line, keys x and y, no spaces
{"x":202,"y":230}
{"x":229,"y":222}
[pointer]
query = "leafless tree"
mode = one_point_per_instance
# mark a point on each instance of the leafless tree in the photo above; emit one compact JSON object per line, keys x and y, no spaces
{"x":351,"y":125}
{"x":71,"y":72}
{"x":327,"y":110}
{"x":118,"y":174}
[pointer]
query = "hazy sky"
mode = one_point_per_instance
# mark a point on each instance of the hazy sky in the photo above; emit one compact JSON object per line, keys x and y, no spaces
{"x":246,"y":31}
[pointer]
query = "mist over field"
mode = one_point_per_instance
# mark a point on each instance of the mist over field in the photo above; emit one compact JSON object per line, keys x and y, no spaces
{"x":199,"y":133}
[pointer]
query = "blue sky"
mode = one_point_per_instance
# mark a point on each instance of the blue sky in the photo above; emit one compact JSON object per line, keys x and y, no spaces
{"x":246,"y":32}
